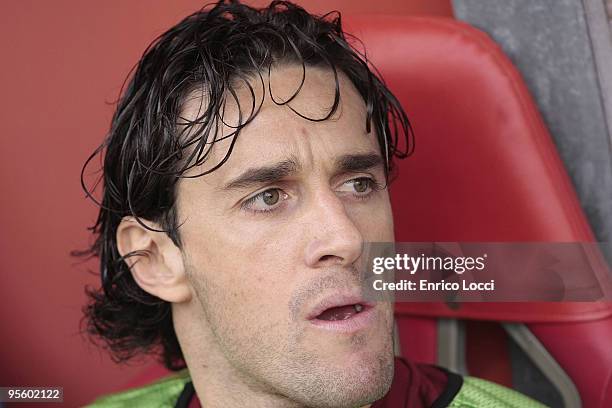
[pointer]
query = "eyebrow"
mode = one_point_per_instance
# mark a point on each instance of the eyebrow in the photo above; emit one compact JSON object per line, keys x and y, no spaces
{"x":263,"y":175}
{"x":358,"y":162}
{"x":277,"y":171}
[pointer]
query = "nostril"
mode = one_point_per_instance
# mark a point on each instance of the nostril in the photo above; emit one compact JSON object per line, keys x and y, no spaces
{"x":327,"y":258}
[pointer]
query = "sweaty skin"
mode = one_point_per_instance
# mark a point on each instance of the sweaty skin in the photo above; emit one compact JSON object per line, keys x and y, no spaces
{"x":260,"y":255}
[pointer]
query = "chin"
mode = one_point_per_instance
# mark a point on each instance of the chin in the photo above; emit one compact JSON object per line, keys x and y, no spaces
{"x":364,"y":379}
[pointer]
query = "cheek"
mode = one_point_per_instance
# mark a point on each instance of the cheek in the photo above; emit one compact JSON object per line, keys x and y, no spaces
{"x":241,"y":270}
{"x":375,"y":219}
{"x":254,"y":256}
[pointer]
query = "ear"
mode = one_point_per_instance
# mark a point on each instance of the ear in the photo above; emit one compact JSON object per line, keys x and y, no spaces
{"x":157,"y":266}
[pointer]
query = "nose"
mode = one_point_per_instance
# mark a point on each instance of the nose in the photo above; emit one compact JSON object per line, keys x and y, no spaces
{"x":334,"y":238}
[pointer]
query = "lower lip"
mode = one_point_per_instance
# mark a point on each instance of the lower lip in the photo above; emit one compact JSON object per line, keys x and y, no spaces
{"x":355,"y":323}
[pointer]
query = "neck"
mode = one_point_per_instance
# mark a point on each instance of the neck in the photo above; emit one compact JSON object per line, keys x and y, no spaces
{"x":216,"y":381}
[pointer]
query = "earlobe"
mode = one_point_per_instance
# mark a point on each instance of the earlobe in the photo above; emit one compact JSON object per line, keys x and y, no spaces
{"x":155,"y":262}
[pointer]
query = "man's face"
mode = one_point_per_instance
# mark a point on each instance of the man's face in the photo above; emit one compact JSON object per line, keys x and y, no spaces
{"x":272,"y":243}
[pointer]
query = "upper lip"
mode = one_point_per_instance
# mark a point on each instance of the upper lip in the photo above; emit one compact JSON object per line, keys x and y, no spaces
{"x":336,"y":300}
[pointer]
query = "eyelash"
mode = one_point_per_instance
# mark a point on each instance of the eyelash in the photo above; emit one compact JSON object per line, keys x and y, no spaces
{"x":374,"y":186}
{"x":247,"y":204}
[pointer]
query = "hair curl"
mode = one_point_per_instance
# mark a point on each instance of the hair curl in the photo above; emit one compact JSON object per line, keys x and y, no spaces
{"x":150,"y":146}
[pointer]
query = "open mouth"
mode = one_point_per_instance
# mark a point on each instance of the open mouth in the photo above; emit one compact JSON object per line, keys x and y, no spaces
{"x":341,"y":312}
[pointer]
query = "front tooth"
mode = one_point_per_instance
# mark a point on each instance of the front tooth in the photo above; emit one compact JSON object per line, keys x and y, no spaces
{"x":358,"y":308}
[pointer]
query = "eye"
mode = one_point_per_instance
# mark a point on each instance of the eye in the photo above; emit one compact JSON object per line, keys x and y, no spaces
{"x":360,"y":187}
{"x":266,"y":201}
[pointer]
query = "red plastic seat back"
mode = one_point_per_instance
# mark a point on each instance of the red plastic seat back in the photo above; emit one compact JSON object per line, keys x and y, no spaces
{"x":484,"y":169}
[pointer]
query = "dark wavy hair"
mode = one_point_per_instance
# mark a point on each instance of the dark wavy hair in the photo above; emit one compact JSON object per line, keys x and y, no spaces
{"x":150,"y":146}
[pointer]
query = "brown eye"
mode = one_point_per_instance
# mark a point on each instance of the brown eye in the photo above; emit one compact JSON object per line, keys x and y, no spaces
{"x":271,"y":197}
{"x":361,"y":185}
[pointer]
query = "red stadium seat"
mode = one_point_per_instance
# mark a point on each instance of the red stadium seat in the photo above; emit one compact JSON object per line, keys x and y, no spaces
{"x":484,"y":169}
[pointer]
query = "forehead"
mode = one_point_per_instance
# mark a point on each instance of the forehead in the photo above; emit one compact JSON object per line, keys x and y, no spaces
{"x":277,"y":132}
